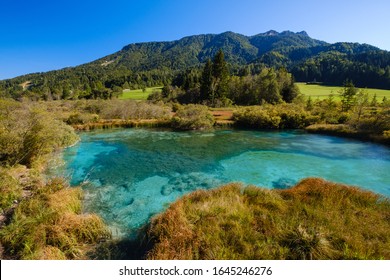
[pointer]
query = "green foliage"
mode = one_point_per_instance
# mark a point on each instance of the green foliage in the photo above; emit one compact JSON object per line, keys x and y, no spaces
{"x":315,"y":219}
{"x":366,"y":66}
{"x":348,"y":95}
{"x":144,"y":65}
{"x":273,"y":117}
{"x":206,"y":81}
{"x":214,"y":82}
{"x":191,"y":117}
{"x":256,"y":117}
{"x":29,"y":133}
{"x":268,"y":86}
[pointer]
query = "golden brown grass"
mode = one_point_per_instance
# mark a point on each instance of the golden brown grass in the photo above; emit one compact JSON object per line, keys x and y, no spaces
{"x":50,"y":225}
{"x":315,"y":219}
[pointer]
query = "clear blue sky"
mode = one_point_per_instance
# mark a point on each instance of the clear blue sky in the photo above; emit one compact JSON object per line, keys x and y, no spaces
{"x":41,"y":35}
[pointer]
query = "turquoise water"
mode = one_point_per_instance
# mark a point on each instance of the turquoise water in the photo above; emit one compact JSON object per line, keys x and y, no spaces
{"x":131,"y":174}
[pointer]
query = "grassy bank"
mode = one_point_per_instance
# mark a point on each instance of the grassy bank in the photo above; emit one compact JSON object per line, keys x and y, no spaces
{"x":315,"y":219}
{"x":49,"y":225}
{"x":39,"y":219}
{"x":106,"y":124}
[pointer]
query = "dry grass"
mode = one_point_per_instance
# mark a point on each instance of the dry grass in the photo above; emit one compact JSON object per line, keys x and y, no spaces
{"x":314,"y":220}
{"x":9,"y":190}
{"x":50,"y":225}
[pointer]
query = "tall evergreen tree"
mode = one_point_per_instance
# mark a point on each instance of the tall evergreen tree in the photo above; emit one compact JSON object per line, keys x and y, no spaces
{"x":220,"y":74}
{"x":206,"y":81}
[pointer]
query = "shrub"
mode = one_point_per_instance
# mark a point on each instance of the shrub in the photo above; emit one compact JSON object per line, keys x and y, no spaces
{"x":27,"y":134}
{"x":80,"y":118}
{"x":130,"y":109}
{"x":284,"y":116}
{"x":256,"y":117}
{"x":192,"y":117}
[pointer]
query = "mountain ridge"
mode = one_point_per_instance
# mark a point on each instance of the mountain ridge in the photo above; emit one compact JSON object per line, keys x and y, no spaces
{"x":156,"y":63}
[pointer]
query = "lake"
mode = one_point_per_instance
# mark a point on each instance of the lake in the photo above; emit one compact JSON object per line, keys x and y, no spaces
{"x":128,"y":175}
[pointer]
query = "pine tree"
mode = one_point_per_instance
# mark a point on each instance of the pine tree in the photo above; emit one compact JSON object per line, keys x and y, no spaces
{"x":220,"y":74}
{"x":206,"y":81}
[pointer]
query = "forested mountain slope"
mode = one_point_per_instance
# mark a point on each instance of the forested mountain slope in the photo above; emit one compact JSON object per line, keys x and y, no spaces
{"x":156,"y":63}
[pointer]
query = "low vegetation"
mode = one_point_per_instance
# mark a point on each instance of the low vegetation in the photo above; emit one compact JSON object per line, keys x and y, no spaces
{"x":28,"y":133}
{"x":193,"y":117}
{"x":39,"y":219}
{"x":50,"y":225}
{"x":9,"y":189}
{"x":315,"y":219}
{"x":284,"y":116}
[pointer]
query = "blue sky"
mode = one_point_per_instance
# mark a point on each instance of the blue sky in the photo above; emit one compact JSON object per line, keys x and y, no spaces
{"x":41,"y":35}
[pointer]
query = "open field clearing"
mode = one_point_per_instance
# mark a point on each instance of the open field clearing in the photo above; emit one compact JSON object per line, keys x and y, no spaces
{"x":138,"y":94}
{"x":322,"y":92}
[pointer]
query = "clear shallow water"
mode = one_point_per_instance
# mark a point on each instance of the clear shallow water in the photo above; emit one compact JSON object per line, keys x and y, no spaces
{"x":131,"y":174}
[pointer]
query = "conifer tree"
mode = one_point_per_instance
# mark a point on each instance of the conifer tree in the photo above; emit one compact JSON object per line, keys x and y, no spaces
{"x":206,"y":81}
{"x":220,"y":74}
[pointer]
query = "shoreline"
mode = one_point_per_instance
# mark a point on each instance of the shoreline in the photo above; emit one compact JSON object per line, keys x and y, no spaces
{"x":340,"y":130}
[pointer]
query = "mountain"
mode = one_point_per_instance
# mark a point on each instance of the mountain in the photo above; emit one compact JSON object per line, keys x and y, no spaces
{"x":195,"y":50}
{"x":156,"y":63}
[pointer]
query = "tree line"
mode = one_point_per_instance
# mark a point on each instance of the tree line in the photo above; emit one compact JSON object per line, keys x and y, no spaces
{"x":216,"y":86}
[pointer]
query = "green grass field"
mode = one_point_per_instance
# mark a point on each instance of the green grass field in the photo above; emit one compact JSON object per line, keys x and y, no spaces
{"x":315,"y":91}
{"x":322,"y":92}
{"x":138,"y":94}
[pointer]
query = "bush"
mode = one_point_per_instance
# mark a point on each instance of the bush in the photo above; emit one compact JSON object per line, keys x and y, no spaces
{"x":193,"y":117}
{"x":130,"y":109}
{"x":256,"y":117}
{"x":80,"y":118}
{"x":282,"y":116}
{"x":29,"y":133}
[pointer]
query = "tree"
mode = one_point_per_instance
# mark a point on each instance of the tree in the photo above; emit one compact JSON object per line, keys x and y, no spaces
{"x":215,"y":79}
{"x":309,"y":104}
{"x":206,"y":81}
{"x":289,"y":90}
{"x":360,"y":104}
{"x":220,"y":75}
{"x":374,"y":101}
{"x":348,"y":96}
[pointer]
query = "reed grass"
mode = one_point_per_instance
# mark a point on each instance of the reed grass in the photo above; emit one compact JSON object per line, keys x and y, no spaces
{"x":315,"y":219}
{"x":50,"y":225}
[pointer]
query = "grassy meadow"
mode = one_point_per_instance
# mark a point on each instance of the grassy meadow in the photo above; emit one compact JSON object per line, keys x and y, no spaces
{"x":315,"y":91}
{"x":138,"y":94}
{"x":322,"y":91}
